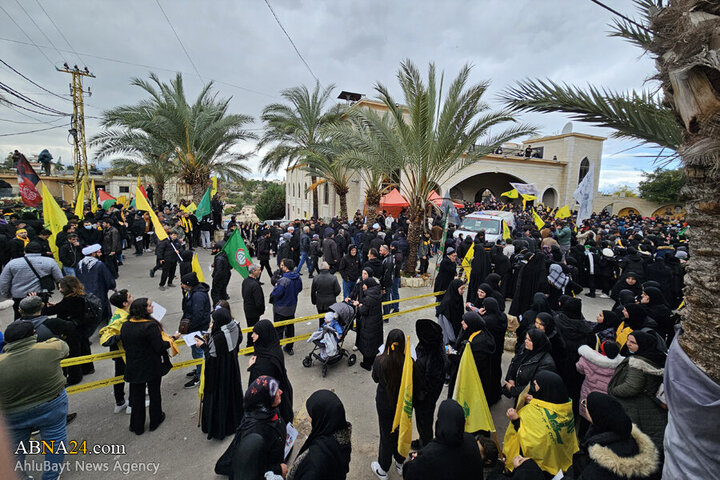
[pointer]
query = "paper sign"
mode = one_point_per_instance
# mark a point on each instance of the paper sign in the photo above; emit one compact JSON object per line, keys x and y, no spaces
{"x":292,"y":435}
{"x":190,"y":338}
{"x":159,"y":312}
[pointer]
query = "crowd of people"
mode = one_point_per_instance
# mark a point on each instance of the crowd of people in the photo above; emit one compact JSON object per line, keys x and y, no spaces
{"x":597,"y":381}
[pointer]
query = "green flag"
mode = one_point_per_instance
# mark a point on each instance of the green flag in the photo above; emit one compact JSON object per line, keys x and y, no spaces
{"x":237,"y":253}
{"x":204,"y":207}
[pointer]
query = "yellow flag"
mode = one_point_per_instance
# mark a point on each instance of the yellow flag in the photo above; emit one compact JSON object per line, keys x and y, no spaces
{"x":539,"y":222}
{"x":122,"y":200}
{"x":213,"y":190}
{"x":192,"y":207}
{"x":470,"y":395}
{"x":506,"y":231}
{"x":510,"y":194}
{"x":564,"y":212}
{"x":93,"y":197}
{"x":141,"y":203}
{"x":527,"y":198}
{"x":80,"y":201}
{"x":547,"y":435}
{"x":138,"y":183}
{"x":404,"y":407}
{"x":55,"y":218}
{"x":196,"y":268}
{"x":467,"y":261}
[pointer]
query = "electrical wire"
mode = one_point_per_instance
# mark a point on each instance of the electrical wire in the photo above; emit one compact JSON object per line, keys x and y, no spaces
{"x":61,"y":33}
{"x":32,"y":131}
{"x":178,"y":39}
{"x":28,"y":36}
{"x":33,"y":82}
{"x":31,"y":123}
{"x":6,"y":101}
{"x":151,"y":67}
{"x":597,"y":2}
{"x":40,"y":30}
{"x":27,"y":99}
{"x":291,"y":41}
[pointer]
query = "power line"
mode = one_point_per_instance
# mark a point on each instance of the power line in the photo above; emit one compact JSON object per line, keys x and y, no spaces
{"x":27,"y":99}
{"x":33,"y":82}
{"x":6,"y":101}
{"x":60,"y":32}
{"x":31,"y":123}
{"x":40,"y":30}
{"x":32,"y":131}
{"x":151,"y":67}
{"x":28,"y":36}
{"x":291,"y":40}
{"x":178,"y":39}
{"x":597,"y":2}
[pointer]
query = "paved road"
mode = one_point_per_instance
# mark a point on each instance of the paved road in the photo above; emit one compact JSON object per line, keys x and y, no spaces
{"x":178,"y":448}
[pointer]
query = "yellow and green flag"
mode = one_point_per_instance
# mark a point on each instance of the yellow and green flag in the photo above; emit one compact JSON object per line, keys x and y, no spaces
{"x":539,"y":222}
{"x":526,"y":198}
{"x":404,"y":407}
{"x":510,"y":194}
{"x":213,"y":190}
{"x":470,"y":395}
{"x":467,"y":261}
{"x":80,"y":201}
{"x":93,"y":199}
{"x":55,"y":218}
{"x":196,"y":268}
{"x":506,"y":231}
{"x":546,"y":434}
{"x":141,"y":203}
{"x":564,"y":212}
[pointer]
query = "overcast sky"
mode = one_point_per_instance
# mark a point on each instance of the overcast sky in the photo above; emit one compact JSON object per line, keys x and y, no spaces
{"x":351,"y":44}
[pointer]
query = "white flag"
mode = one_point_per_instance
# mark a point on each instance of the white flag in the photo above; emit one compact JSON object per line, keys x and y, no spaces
{"x":526,"y":188}
{"x":584,"y":195}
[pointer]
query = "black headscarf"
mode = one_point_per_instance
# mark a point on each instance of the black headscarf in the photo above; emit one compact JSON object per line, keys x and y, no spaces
{"x":647,"y":347}
{"x":655,"y":296}
{"x":268,"y":343}
{"x":452,"y":305}
{"x":260,"y":395}
{"x":494,"y":281}
{"x":540,"y":304}
{"x":328,"y":416}
{"x":572,"y":308}
{"x":626,"y":297}
{"x":220,"y":317}
{"x":369,"y":271}
{"x":548,"y":322}
{"x":485,"y":288}
{"x":610,"y":320}
{"x":450,"y":424}
{"x":370,"y":282}
{"x":552,"y":387}
{"x":608,"y":415}
{"x":539,"y":340}
{"x":636,"y":316}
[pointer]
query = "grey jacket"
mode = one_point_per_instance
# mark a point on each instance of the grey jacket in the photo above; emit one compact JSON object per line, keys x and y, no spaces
{"x":17,"y":279}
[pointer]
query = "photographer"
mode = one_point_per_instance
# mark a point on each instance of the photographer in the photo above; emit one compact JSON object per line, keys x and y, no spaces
{"x":18,"y":278}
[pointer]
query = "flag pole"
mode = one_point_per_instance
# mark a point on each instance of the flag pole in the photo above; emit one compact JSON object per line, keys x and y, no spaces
{"x":441,"y":251}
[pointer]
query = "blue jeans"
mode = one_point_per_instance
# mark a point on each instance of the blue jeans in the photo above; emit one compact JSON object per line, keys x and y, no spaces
{"x":197,"y":353}
{"x":68,"y":271}
{"x":395,"y":294}
{"x":304,"y":258}
{"x":385,"y":298}
{"x":50,"y":418}
{"x":347,"y":288}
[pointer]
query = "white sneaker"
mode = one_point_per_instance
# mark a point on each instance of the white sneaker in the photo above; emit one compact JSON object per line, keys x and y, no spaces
{"x":355,"y":349}
{"x":128,"y":410}
{"x":147,"y":402}
{"x":120,"y":408}
{"x":378,"y":471}
{"x":602,"y":295}
{"x":398,"y":466}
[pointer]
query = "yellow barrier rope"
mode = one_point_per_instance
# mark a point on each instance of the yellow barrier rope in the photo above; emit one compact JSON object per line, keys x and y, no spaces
{"x":106,"y":382}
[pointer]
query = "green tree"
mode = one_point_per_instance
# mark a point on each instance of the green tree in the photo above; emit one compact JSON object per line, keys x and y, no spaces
{"x":297,"y":128}
{"x":430,"y":139}
{"x":662,"y":186}
{"x":271,"y":203}
{"x":679,"y":36}
{"x":625,"y":191}
{"x":203,"y":136}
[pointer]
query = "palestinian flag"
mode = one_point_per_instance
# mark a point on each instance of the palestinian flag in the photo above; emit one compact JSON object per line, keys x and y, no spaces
{"x":105,"y":200}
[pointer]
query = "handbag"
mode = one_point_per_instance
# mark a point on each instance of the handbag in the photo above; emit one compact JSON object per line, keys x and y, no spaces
{"x":184,"y":327}
{"x":47,"y":282}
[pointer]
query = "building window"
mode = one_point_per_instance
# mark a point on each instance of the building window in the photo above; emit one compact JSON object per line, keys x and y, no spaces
{"x":326,"y":196}
{"x":584,"y":168}
{"x":305,"y":192}
{"x":124,"y":189}
{"x":293,"y":185}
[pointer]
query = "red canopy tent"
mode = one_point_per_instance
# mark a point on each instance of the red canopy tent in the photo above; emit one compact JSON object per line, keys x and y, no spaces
{"x":437,"y":200}
{"x":393,"y":202}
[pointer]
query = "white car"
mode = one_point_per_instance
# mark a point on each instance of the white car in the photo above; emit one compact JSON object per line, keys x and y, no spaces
{"x":488,"y":220}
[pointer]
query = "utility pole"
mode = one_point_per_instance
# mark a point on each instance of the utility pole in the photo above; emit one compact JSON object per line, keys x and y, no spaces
{"x":80,"y":171}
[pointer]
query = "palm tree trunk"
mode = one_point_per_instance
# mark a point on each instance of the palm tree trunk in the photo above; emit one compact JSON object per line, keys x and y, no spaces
{"x":315,"y":198}
{"x":198,"y":190}
{"x":160,"y":186}
{"x":414,"y":234}
{"x":372,"y":203}
{"x":343,"y":205}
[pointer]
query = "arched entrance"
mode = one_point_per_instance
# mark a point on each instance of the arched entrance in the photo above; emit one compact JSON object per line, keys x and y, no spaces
{"x":627,"y":211}
{"x":495,"y":183}
{"x":484,"y":196}
{"x":549,"y":198}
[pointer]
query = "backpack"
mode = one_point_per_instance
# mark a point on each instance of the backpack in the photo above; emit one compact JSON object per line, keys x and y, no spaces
{"x":93,"y":310}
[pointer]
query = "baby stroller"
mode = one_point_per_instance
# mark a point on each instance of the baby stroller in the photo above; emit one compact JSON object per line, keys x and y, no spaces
{"x":345,"y":316}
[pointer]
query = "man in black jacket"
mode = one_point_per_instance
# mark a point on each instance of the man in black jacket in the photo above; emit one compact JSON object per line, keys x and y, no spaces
{"x":220,"y":273}
{"x":111,"y":246}
{"x":388,"y":274}
{"x":324,"y":290}
{"x":168,"y":253}
{"x":253,"y":299}
{"x":263,"y":253}
{"x":70,"y":254}
{"x":196,"y":308}
{"x":374,"y":263}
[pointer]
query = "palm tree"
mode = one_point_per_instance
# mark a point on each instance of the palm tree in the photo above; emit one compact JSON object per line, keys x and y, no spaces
{"x":297,"y":129}
{"x":202,"y":136}
{"x":430,"y":139}
{"x":324,"y":163}
{"x":679,"y":34}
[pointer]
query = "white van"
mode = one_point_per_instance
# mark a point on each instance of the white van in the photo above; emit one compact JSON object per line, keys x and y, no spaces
{"x":488,"y":220}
